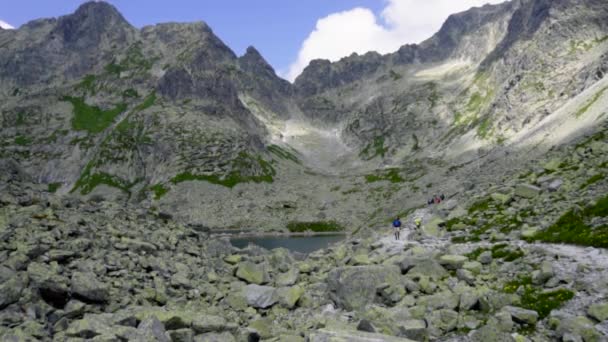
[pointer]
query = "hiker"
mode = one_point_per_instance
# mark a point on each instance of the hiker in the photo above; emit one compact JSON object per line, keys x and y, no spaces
{"x":437,"y":199}
{"x":417,"y":222}
{"x":397,"y":227}
{"x":442,"y":197}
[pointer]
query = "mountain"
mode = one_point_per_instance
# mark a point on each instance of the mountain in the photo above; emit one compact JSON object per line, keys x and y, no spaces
{"x":168,"y":116}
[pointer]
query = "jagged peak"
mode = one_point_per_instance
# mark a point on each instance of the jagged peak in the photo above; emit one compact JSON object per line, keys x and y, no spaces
{"x":253,"y":61}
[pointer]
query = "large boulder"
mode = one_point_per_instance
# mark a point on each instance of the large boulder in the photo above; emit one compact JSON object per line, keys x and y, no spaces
{"x":527,"y":191}
{"x":252,"y":273}
{"x":87,"y":286}
{"x":289,"y":296}
{"x":10,"y":291}
{"x":521,"y":315}
{"x":336,"y":335}
{"x":598,"y":311}
{"x":452,"y":262}
{"x":429,"y":268}
{"x":260,"y":297}
{"x":352,"y":288}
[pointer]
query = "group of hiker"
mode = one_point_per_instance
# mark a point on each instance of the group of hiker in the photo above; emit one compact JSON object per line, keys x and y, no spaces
{"x":397,"y":226}
{"x":436,"y":199}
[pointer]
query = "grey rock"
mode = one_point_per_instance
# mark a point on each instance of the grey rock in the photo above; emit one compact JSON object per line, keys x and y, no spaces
{"x":521,"y":315}
{"x":527,"y":191}
{"x":87,"y":286}
{"x":260,"y":296}
{"x":10,"y":291}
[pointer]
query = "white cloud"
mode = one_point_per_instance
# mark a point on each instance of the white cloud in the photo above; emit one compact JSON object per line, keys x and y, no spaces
{"x":5,"y":25}
{"x":360,"y":30}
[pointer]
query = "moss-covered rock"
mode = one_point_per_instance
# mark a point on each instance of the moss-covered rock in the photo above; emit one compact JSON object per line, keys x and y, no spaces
{"x":252,"y":273}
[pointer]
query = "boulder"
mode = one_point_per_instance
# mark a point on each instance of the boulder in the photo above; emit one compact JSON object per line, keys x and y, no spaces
{"x":598,"y":311}
{"x":501,"y":198}
{"x":260,"y":297}
{"x":215,"y":337}
{"x":337,"y":335}
{"x":543,"y":274}
{"x":233,"y":259}
{"x":445,"y":320}
{"x":430,"y":268}
{"x":288,"y":278}
{"x":352,"y":288}
{"x":208,"y":323}
{"x":580,"y":326}
{"x":181,"y":335}
{"x":87,"y":286}
{"x":555,"y":185}
{"x":527,"y":191}
{"x":528,"y":233}
{"x":491,"y":333}
{"x":452,"y":262}
{"x":485,"y":258}
{"x":154,"y":329}
{"x":10,"y":291}
{"x":466,"y":276}
{"x":252,"y":273}
{"x":415,"y":329}
{"x":521,"y":315}
{"x":472,"y":266}
{"x":289,"y":296}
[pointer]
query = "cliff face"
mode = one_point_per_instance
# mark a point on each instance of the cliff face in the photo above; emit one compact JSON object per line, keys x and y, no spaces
{"x":103,"y":108}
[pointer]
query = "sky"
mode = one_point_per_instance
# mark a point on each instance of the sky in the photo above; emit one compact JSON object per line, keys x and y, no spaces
{"x":288,"y":33}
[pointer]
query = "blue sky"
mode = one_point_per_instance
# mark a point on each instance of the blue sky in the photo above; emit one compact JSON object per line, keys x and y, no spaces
{"x":275,"y":27}
{"x":288,"y":33}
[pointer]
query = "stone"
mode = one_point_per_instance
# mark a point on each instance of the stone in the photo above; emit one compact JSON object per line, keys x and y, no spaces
{"x":252,"y":273}
{"x":138,"y":245}
{"x":528,"y":233}
{"x":181,"y":335}
{"x":208,"y":323}
{"x":263,"y":327}
{"x":429,"y":268}
{"x":527,"y":191}
{"x":288,"y":278}
{"x":452,"y":262}
{"x":355,"y":287}
{"x":87,"y":286}
{"x":233,"y":259}
{"x":415,"y":329}
{"x":598,"y":311}
{"x":466,"y":276}
{"x":260,"y":297}
{"x":366,"y":326}
{"x":215,"y":337}
{"x":581,"y":326}
{"x":360,"y":260}
{"x":555,"y":185}
{"x":521,"y":315}
{"x":153,"y":328}
{"x":441,"y":300}
{"x":289,"y":296}
{"x":339,"y":335}
{"x":473,"y":267}
{"x":10,"y":291}
{"x":543,"y":274}
{"x":469,"y":300}
{"x":485,"y":258}
{"x":504,"y":321}
{"x":445,"y":320}
{"x":501,"y":198}
{"x":491,"y":333}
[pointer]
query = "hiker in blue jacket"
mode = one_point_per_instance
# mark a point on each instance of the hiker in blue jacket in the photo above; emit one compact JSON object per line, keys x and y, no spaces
{"x":397,"y":227}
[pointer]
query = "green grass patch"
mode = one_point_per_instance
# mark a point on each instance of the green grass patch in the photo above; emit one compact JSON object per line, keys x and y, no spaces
{"x":22,"y":140}
{"x":390,"y":175}
{"x":573,"y":227}
{"x":91,"y":118}
{"x":317,"y":227}
{"x":475,"y":102}
{"x":53,"y":187}
{"x":500,"y":251}
{"x":243,"y":163}
{"x":374,"y":149}
{"x":591,"y":102}
{"x":594,"y":179}
{"x":481,"y":205}
{"x":283,"y":153}
{"x":159,"y":191}
{"x":534,"y":298}
{"x":148,"y":102}
{"x":484,"y":129}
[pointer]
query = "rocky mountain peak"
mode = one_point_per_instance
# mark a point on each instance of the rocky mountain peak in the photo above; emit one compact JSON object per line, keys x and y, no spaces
{"x":252,"y":61}
{"x":90,"y":20}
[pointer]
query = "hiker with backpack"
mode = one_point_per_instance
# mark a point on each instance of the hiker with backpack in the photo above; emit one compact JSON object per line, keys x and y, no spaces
{"x":397,"y":227}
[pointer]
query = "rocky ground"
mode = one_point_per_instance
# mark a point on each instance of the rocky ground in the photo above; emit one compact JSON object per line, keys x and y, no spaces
{"x":487,"y":265}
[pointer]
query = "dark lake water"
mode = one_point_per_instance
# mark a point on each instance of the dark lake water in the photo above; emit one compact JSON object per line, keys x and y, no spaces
{"x":301,"y":244}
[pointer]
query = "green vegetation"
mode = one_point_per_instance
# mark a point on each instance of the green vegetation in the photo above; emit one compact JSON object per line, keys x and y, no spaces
{"x":88,"y":83}
{"x":317,"y":227}
{"x":395,"y":76}
{"x":159,"y":191}
{"x":594,"y":179}
{"x":53,"y":187}
{"x":573,"y":227}
{"x":244,"y":162}
{"x":480,"y":205}
{"x":22,"y":140}
{"x":374,"y":149}
{"x":134,"y":61}
{"x":283,"y":153}
{"x":484,"y":129}
{"x":391,"y":175}
{"x":89,"y":181}
{"x":533,"y":298}
{"x":499,"y":251}
{"x":91,"y":118}
{"x":591,"y":102}
{"x":148,"y":102}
